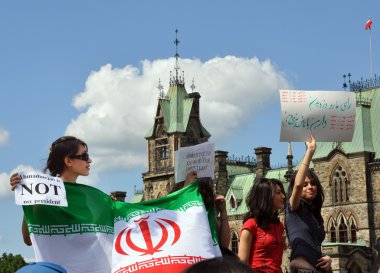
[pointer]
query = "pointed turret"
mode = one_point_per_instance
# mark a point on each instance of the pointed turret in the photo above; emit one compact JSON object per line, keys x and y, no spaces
{"x":176,"y":124}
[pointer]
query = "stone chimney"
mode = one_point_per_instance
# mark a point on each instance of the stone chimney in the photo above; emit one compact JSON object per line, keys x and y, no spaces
{"x":262,"y":160}
{"x":119,"y":195}
{"x":196,"y":96}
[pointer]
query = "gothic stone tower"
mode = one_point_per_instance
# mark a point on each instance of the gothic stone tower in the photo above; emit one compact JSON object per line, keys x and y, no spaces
{"x":176,"y":124}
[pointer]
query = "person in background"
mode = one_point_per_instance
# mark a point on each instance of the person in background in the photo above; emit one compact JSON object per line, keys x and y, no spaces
{"x":303,"y":219}
{"x":68,"y":159}
{"x":211,"y":201}
{"x":262,"y":239}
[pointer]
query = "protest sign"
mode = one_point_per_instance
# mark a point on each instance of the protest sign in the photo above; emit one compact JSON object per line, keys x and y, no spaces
{"x":328,"y":115}
{"x":39,"y":188}
{"x":199,"y":158}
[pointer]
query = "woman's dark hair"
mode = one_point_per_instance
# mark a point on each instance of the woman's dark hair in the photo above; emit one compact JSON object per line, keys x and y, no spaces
{"x":316,"y":206}
{"x":226,"y":264}
{"x":260,"y":202}
{"x":206,"y":189}
{"x":63,"y":147}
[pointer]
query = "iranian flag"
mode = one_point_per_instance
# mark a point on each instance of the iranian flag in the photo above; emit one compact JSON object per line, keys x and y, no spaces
{"x":98,"y":235}
{"x":78,"y":237}
{"x":164,"y":235}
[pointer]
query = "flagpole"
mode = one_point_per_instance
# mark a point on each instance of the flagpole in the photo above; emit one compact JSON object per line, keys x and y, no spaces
{"x":370,"y":51}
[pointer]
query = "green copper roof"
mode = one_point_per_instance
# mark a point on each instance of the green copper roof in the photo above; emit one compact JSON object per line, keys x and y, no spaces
{"x":136,"y":198}
{"x":176,"y":108}
{"x":233,"y":169}
{"x":366,"y":136}
{"x":278,"y":174}
{"x":242,"y":184}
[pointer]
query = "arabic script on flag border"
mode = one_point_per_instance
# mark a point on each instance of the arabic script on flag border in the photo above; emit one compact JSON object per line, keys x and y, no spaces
{"x":78,"y":237}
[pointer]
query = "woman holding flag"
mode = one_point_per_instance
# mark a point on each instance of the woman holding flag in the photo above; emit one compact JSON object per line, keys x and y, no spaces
{"x":68,"y":159}
{"x":262,"y":237}
{"x":72,"y":236}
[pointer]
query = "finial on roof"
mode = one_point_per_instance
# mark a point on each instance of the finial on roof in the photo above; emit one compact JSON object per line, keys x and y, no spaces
{"x":345,"y":85}
{"x":176,"y":67}
{"x":177,"y":79}
{"x":192,"y":86}
{"x":161,"y":90}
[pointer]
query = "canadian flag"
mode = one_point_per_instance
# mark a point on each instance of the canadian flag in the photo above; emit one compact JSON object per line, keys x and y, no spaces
{"x":368,"y":24}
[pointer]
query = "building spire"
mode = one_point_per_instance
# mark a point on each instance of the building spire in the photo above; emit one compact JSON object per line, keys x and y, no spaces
{"x":289,"y":157}
{"x":177,"y":79}
{"x":290,"y":153}
{"x":160,"y":88}
{"x":176,"y":67}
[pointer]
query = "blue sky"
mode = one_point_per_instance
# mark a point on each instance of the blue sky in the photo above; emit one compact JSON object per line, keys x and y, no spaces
{"x":91,"y":68}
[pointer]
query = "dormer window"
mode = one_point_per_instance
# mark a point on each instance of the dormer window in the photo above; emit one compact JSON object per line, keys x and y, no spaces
{"x":232,"y":202}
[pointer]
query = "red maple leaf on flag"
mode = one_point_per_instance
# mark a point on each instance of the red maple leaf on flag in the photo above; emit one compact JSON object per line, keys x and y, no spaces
{"x":368,"y":24}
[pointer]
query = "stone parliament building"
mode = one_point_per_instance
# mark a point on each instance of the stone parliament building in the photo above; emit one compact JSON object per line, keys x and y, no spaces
{"x":348,"y":171}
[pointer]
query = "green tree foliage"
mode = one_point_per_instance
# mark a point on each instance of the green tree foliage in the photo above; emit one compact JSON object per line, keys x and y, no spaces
{"x":10,"y":263}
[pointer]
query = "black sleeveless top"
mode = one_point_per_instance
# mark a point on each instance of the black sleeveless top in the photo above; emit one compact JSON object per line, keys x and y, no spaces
{"x":305,"y":233}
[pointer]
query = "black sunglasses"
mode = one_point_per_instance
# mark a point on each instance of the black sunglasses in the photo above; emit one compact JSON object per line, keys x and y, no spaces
{"x":85,"y":156}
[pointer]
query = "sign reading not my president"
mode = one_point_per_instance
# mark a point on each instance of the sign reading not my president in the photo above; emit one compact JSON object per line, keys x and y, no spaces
{"x":40,"y":189}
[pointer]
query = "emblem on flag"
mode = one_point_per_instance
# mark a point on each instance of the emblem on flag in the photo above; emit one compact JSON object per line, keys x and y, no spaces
{"x":144,"y":230}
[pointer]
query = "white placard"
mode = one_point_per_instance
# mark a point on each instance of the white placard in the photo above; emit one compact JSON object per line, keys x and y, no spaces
{"x":199,"y":157}
{"x":40,"y":189}
{"x":328,"y":115}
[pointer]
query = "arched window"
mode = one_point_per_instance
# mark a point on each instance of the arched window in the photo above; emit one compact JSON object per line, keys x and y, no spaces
{"x":234,"y":242}
{"x":353,"y":233}
{"x":343,"y":236}
{"x":331,"y":230}
{"x":339,"y":186}
{"x":332,"y":234}
{"x":353,"y":229}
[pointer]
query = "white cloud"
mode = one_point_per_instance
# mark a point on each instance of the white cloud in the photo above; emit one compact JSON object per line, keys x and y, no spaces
{"x":5,"y":188}
{"x":118,"y":105}
{"x":4,"y":136}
